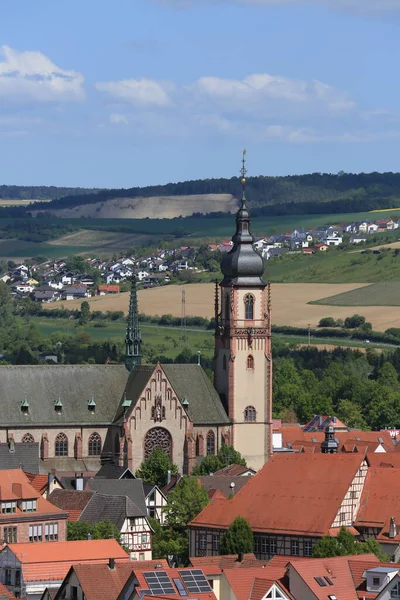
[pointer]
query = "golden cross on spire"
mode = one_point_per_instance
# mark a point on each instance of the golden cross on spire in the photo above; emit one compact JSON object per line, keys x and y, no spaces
{"x":243,"y":170}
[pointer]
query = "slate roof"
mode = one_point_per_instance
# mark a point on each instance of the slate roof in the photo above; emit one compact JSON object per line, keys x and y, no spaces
{"x":25,"y":456}
{"x":191,"y":382}
{"x":42,"y":385}
{"x":113,"y":471}
{"x":132,"y":488}
{"x":223,"y":483}
{"x":188,"y":381}
{"x":111,"y":508}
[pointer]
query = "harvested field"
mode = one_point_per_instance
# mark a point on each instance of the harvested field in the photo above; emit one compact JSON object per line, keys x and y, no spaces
{"x":386,"y":293}
{"x":289,"y":303}
{"x":390,"y":245}
{"x":100,"y":241}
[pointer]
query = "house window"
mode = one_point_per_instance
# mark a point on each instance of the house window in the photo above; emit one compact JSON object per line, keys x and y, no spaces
{"x":215,"y":542}
{"x":257,"y":545}
{"x":94,"y":444}
{"x":295,"y":547}
{"x":210,"y":443}
{"x":342,"y":517}
{"x":8,"y":507}
{"x":307,"y":548}
{"x":17,"y":577}
{"x":51,"y":532}
{"x":272,"y":546}
{"x":35,"y":533}
{"x":395,"y":591}
{"x":144,"y":538}
{"x":10,"y":535}
{"x":250,"y":362}
{"x":264,"y":546}
{"x":141,"y":555}
{"x":250,"y":414}
{"x":202,"y":541}
{"x":8,"y":577}
{"x":29,"y":505}
{"x":74,"y":592}
{"x":353,"y":494}
{"x":28,"y":439}
{"x":61,"y":445}
{"x":249,"y":307}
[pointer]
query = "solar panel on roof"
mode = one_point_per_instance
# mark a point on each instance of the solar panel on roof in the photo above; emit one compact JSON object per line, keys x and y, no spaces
{"x":180,"y":587}
{"x":195,"y":581}
{"x":159,"y":582}
{"x":380,"y":440}
{"x":328,"y":580}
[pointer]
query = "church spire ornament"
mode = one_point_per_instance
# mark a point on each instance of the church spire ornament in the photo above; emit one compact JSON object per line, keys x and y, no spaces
{"x":133,"y":339}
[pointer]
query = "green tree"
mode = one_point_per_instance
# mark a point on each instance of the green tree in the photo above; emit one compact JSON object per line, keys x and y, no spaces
{"x":238,"y":538}
{"x":184,"y":503}
{"x":81,"y":530}
{"x":227,"y":455}
{"x":85,"y":313}
{"x":155,"y":469}
{"x":345,"y":544}
{"x":327,"y":322}
{"x":350,"y":413}
{"x":354,"y":322}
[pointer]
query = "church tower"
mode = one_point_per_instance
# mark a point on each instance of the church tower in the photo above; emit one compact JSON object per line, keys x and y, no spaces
{"x":243,"y":360}
{"x":133,"y":339}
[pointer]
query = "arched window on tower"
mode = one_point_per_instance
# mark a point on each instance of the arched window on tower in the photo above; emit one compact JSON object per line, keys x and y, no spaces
{"x":61,"y":445}
{"x":250,"y":362}
{"x":249,"y":307}
{"x":210,"y":443}
{"x":94,"y":445}
{"x":250,"y":414}
{"x":28,"y":439}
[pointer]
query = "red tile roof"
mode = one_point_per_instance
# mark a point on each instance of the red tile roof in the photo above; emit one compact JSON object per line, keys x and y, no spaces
{"x":228,"y":561}
{"x":173,"y":574}
{"x":99,"y":582}
{"x":15,"y":485}
{"x":72,"y":501}
{"x":5,"y":593}
{"x":303,"y":494}
{"x":39,"y":482}
{"x":380,"y":499}
{"x":108,"y":288}
{"x":52,"y":560}
{"x":233,"y":470}
{"x":242,"y":581}
{"x":366,"y":441}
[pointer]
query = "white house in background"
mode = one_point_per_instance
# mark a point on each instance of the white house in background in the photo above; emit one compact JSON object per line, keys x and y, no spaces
{"x":68,"y":279}
{"x":114,"y":266}
{"x":357,"y":239}
{"x":372,"y":228}
{"x":142,"y":274}
{"x":156,"y":502}
{"x":56,"y":285}
{"x":332,"y":238}
{"x":390,"y":225}
{"x":4,"y":278}
{"x":128,"y":261}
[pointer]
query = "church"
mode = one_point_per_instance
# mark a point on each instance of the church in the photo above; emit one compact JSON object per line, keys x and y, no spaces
{"x":83,"y":416}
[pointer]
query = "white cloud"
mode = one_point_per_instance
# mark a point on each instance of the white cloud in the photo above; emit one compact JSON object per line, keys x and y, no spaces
{"x":260,"y":107}
{"x":31,"y":76}
{"x":117,"y":119}
{"x":143,"y":92}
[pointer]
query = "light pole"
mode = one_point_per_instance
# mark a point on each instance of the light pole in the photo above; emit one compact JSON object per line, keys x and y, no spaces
{"x":309,"y":334}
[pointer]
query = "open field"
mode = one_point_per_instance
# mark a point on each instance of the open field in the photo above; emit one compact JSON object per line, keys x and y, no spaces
{"x":290,"y":304}
{"x":386,"y":293}
{"x":391,"y":245}
{"x":4,"y":202}
{"x":102,"y":241}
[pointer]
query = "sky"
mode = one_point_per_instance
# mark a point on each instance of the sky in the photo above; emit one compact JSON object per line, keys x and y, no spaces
{"x":123,"y":93}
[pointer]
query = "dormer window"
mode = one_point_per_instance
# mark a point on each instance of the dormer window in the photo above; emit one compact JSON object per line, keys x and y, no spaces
{"x":29,"y":505}
{"x":25,"y":406}
{"x":91,"y":404}
{"x":58,"y":405}
{"x":8,"y":507}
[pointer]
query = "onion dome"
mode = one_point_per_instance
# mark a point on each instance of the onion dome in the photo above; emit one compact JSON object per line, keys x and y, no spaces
{"x":242,"y":265}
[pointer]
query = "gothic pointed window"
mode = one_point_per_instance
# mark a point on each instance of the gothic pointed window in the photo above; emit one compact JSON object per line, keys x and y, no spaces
{"x":250,"y":414}
{"x":61,"y":445}
{"x":250,"y":362}
{"x":94,"y":445}
{"x":28,"y":439}
{"x":160,"y":438}
{"x":249,"y":307}
{"x":210,"y":443}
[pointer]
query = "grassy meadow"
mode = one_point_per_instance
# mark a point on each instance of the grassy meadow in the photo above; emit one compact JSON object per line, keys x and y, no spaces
{"x":385,"y":293}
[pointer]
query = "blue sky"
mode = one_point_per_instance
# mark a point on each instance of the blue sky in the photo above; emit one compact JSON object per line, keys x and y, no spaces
{"x":137,"y":92}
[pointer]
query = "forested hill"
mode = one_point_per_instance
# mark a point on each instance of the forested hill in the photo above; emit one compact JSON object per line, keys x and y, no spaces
{"x":41,"y":192}
{"x":295,"y":194}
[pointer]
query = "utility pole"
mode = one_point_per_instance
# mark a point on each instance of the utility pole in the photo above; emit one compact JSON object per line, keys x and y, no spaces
{"x":309,"y":334}
{"x":183,"y":319}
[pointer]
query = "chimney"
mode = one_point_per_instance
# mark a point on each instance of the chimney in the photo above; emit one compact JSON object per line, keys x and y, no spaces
{"x":392,"y":528}
{"x":240,"y":557}
{"x":79,"y":481}
{"x":169,"y":476}
{"x":334,"y":419}
{"x":111,"y":564}
{"x":89,"y":536}
{"x":320,"y":421}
